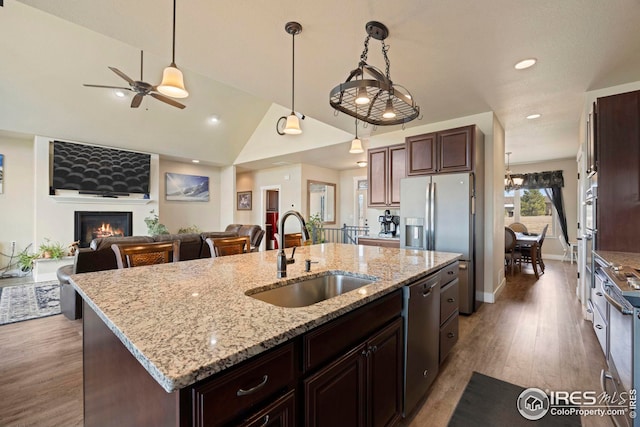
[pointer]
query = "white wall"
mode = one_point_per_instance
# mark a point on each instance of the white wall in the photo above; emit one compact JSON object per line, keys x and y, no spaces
{"x":16,"y":201}
{"x":180,"y":214}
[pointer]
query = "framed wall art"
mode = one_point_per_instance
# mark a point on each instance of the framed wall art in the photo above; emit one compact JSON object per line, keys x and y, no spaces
{"x":244,"y":200}
{"x":186,"y":188}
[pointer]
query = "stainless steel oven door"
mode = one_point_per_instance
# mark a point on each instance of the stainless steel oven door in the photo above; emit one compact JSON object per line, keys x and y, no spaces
{"x":590,"y":214}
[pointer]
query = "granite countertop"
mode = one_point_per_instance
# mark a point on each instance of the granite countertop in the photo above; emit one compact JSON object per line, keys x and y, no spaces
{"x":628,"y":259}
{"x":188,"y":320}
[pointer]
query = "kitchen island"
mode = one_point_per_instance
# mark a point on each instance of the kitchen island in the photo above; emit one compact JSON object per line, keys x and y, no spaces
{"x":152,"y":334}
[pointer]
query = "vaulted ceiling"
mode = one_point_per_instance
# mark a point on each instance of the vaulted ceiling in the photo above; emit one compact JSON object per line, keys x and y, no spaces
{"x":456,"y":57}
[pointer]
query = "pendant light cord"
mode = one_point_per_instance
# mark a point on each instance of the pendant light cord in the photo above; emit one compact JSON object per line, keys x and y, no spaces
{"x":173,"y":52}
{"x":293,"y":71}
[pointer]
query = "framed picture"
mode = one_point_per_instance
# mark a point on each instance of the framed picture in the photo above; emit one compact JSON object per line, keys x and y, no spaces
{"x":244,"y":200}
{"x":1,"y":172}
{"x":186,"y":188}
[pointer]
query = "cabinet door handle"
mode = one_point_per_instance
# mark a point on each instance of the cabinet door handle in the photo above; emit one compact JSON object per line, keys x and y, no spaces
{"x":366,"y":352}
{"x":599,"y":294}
{"x":451,"y":335}
{"x":242,"y":392}
{"x":451,"y":300}
{"x":266,"y":421}
{"x":599,"y":326}
{"x":373,"y":348}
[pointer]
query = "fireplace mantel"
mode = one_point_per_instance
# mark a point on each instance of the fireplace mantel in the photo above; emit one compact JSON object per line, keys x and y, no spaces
{"x":99,"y":199}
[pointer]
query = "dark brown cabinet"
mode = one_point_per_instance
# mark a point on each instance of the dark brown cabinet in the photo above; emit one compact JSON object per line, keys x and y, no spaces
{"x":361,"y":388}
{"x":281,"y":413}
{"x":441,"y":152}
{"x":449,"y":309}
{"x":387,"y":166}
{"x":618,"y":165}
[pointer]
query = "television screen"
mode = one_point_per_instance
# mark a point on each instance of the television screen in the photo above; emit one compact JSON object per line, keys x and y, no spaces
{"x":99,"y":170}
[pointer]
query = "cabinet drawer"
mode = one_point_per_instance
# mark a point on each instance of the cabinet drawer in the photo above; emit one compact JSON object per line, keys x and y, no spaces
{"x":281,"y":413}
{"x":597,"y":296}
{"x":333,"y":339}
{"x":450,"y":272}
{"x":217,"y":401}
{"x":600,"y":327}
{"x":448,"y":336}
{"x":448,"y":300}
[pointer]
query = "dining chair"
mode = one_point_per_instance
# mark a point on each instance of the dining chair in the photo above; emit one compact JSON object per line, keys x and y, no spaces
{"x":223,"y":246}
{"x":569,"y":249}
{"x":526,"y":250}
{"x":139,"y":254}
{"x":518,"y":227}
{"x":511,"y":255}
{"x":291,"y":239}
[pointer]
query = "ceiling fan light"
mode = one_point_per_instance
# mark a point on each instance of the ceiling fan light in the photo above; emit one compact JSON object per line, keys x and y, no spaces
{"x":356,"y":146}
{"x":293,"y":125}
{"x":363,"y":97}
{"x":389,"y":112}
{"x":172,"y":83}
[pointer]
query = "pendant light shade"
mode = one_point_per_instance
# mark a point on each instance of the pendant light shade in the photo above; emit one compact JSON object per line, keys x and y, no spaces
{"x":172,"y":80}
{"x":356,"y":146}
{"x":293,"y":125}
{"x":389,"y":112}
{"x":362,"y":97}
{"x":293,"y":122}
{"x":172,"y":83}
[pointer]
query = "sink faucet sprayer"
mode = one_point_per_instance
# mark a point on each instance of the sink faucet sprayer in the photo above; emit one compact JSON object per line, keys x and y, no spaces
{"x":282,"y":257}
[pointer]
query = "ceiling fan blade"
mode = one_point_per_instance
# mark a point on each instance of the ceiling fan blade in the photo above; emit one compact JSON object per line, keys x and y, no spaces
{"x":167,"y":100}
{"x":121,"y":74}
{"x":136,"y":101}
{"x":107,"y":87}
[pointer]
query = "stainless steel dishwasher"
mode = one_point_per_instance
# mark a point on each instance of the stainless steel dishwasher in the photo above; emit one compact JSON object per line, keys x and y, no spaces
{"x":421,"y":312}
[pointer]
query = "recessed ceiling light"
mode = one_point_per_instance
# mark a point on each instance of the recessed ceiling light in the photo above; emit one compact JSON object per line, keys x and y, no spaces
{"x":525,"y":63}
{"x":119,"y":93}
{"x":534,"y":116}
{"x":214,"y":119}
{"x":195,"y":161}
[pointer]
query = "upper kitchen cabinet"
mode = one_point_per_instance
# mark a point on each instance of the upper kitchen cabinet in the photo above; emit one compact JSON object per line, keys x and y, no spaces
{"x":387,"y":166}
{"x":618,"y":172}
{"x":441,"y":152}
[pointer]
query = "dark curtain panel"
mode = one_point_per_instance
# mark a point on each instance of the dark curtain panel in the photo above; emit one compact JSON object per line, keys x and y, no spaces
{"x":554,"y":181}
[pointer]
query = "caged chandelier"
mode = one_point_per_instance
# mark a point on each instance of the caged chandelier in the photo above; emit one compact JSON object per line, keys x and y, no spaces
{"x":381,"y":101}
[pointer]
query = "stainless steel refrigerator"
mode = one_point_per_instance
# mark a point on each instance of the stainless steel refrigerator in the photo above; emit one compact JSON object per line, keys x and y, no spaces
{"x":437,"y":213}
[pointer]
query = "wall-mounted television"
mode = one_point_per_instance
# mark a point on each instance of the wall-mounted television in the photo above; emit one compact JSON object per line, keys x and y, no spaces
{"x":92,"y":169}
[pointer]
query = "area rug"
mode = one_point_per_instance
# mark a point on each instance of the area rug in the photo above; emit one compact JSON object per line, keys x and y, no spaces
{"x":29,"y":301}
{"x":489,"y":402}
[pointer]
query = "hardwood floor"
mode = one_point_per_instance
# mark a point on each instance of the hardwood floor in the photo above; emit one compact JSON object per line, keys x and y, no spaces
{"x":533,"y":336}
{"x":41,"y":373}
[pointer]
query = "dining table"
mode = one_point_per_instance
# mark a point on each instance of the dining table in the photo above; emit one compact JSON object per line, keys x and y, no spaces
{"x":533,"y":241}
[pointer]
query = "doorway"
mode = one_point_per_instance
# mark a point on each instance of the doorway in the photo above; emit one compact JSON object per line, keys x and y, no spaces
{"x":270,"y":214}
{"x":360,"y":201}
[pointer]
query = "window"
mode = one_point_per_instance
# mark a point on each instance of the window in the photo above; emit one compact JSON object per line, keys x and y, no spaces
{"x":533,"y":208}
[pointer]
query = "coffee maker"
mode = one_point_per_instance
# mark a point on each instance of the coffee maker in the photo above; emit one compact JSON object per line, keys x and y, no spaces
{"x":388,"y":224}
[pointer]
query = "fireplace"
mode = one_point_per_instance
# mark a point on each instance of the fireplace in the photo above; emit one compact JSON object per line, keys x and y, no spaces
{"x":91,"y":225}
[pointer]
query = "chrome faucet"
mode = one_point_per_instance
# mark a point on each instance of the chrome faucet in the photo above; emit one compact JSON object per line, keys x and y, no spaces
{"x":282,"y":256}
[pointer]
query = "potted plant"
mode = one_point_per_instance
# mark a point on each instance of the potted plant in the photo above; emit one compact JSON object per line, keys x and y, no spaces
{"x":53,"y":250}
{"x":25,"y":260}
{"x":154,"y":227}
{"x":189,"y":229}
{"x":314,"y":227}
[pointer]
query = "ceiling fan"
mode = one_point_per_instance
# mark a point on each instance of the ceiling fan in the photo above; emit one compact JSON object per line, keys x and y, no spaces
{"x":140,"y":88}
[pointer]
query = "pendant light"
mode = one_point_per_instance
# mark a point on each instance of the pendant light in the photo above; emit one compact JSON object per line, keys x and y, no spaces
{"x":387,"y":103}
{"x":356,"y":144}
{"x":172,"y":80}
{"x":510,"y":182}
{"x":293,"y":124}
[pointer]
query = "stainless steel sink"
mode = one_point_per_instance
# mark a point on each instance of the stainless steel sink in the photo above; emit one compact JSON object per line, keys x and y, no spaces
{"x":307,"y":291}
